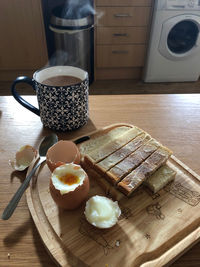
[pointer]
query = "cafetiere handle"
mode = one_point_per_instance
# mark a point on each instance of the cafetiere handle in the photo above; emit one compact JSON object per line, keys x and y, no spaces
{"x":22,"y":101}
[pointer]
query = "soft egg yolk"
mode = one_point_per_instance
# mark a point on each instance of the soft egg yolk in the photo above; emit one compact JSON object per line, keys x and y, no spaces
{"x":69,"y":179}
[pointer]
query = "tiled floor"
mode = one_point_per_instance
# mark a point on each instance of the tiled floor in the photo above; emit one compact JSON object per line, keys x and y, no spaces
{"x":119,"y":87}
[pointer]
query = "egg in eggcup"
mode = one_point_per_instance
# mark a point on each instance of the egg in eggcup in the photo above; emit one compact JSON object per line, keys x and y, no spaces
{"x":62,"y":152}
{"x":69,"y":186}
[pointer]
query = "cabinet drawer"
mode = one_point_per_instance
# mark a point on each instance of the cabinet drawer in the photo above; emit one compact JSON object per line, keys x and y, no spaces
{"x":120,"y":56}
{"x":121,"y":35}
{"x":119,"y":73}
{"x":123,"y":16}
{"x":123,"y":2}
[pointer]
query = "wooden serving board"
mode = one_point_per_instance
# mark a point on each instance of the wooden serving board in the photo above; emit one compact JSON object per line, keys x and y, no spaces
{"x":153,"y":230}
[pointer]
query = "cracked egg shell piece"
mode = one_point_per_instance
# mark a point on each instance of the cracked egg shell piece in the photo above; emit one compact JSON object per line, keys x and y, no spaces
{"x":64,"y":151}
{"x":23,"y":158}
{"x":69,"y":186}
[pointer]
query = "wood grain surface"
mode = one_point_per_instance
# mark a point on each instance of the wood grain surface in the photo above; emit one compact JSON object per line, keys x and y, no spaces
{"x":172,"y":119}
{"x":157,"y":227}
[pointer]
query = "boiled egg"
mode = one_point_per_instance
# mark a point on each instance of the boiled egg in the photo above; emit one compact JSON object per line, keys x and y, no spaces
{"x":62,"y":152}
{"x":69,"y":186}
{"x":102,"y":212}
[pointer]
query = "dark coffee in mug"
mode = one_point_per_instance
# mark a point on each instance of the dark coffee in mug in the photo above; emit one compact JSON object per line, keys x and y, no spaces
{"x":61,"y":80}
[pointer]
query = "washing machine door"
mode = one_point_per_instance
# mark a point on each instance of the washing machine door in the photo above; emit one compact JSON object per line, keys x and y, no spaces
{"x":180,"y":37}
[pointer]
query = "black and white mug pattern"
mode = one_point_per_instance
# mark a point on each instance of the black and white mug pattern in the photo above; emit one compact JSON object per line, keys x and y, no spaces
{"x":63,"y":107}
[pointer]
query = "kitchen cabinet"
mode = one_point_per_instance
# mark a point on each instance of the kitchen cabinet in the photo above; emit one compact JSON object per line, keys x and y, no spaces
{"x":23,"y":43}
{"x":120,"y":55}
{"x":121,"y":34}
{"x":124,"y":2}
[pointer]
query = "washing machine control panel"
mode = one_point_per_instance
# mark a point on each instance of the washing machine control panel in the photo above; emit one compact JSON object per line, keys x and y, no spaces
{"x":179,"y":4}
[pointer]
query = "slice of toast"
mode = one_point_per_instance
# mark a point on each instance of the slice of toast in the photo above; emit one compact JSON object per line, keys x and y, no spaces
{"x":160,"y":178}
{"x":119,"y":155}
{"x":159,"y":157}
{"x":108,"y":189}
{"x":144,"y":170}
{"x":92,"y":174}
{"x":107,"y":149}
{"x":100,"y":140}
{"x":119,"y":171}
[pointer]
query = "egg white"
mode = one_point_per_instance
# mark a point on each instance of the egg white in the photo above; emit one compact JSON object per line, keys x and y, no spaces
{"x":102,"y":212}
{"x":63,"y":170}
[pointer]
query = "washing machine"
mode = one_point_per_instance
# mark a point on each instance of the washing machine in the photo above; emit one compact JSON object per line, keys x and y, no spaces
{"x":173,"y":53}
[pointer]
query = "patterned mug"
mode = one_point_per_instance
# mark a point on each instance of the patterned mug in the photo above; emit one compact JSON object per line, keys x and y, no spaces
{"x":60,"y":107}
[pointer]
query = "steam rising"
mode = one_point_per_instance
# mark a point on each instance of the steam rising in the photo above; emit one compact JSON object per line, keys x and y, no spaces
{"x":76,"y":9}
{"x":60,"y":57}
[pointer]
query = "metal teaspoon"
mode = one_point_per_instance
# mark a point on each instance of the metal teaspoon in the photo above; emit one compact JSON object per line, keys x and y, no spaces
{"x":46,"y":143}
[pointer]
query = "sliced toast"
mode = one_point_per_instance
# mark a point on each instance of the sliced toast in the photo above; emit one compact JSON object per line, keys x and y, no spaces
{"x":108,"y":189}
{"x":107,"y":149}
{"x":128,"y":184}
{"x":100,"y":140}
{"x":119,"y":171}
{"x":127,"y":158}
{"x":106,"y":164}
{"x":160,"y":178}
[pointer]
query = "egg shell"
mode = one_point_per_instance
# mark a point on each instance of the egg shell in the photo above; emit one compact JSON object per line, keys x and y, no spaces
{"x":23,"y":158}
{"x":62,"y":152}
{"x":72,"y":199}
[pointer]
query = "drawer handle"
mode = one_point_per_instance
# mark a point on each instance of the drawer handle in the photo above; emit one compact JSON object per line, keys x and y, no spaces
{"x":120,"y":51}
{"x":122,"y":15}
{"x":120,"y":34}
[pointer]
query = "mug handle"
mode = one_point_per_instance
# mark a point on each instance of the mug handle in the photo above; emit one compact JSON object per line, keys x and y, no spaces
{"x":22,"y":101}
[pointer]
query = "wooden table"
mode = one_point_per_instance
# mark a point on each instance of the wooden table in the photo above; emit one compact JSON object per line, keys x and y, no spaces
{"x":172,"y":119}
